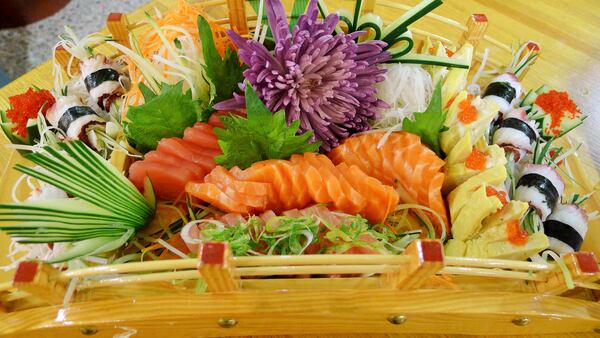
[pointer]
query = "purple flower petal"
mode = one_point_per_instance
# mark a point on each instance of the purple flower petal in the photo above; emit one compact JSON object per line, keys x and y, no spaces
{"x":326,"y":81}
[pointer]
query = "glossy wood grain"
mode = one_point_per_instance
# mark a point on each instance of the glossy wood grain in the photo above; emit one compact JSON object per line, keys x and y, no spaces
{"x":312,"y":312}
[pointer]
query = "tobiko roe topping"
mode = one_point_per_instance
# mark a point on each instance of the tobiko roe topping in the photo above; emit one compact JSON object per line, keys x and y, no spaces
{"x":26,"y":106}
{"x":476,"y":160}
{"x":557,"y":105}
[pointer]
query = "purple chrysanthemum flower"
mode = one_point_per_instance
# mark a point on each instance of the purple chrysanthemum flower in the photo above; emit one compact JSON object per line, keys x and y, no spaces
{"x":326,"y":81}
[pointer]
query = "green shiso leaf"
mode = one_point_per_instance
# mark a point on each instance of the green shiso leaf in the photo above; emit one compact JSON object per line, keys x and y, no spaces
{"x":164,"y":115}
{"x":104,"y":213}
{"x":261,"y":136}
{"x":224,"y":74}
{"x":429,"y":124}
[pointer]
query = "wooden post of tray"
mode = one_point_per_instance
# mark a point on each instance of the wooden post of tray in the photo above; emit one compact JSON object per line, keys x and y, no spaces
{"x":426,"y":258}
{"x":583,"y":268}
{"x":476,"y":27}
{"x":216,"y":268}
{"x":62,"y":56}
{"x":535,"y":47}
{"x":41,"y":281}
{"x":368,"y":6}
{"x":118,"y":25}
{"x":237,"y":16}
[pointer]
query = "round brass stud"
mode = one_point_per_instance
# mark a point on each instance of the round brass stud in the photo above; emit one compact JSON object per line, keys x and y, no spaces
{"x":521,"y":321}
{"x":88,"y":331}
{"x":397,"y":319}
{"x":227,"y":323}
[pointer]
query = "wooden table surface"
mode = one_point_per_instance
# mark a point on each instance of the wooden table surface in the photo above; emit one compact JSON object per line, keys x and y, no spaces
{"x":567,"y":31}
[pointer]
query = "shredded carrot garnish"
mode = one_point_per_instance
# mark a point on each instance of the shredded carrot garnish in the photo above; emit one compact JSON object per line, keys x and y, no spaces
{"x":558,"y":105}
{"x":515,"y":234}
{"x":185,"y":16}
{"x":179,"y":23}
{"x":476,"y":160}
{"x":468,"y":112}
{"x":449,"y":103}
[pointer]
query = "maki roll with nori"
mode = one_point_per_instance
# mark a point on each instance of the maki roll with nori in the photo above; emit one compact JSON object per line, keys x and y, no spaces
{"x":566,"y":228}
{"x":540,"y":186}
{"x":516,"y":133}
{"x":103,"y":80}
{"x":504,"y":90}
{"x":70,"y":115}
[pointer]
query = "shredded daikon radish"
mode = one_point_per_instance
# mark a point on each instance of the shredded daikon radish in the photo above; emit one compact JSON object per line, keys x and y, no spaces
{"x":407,"y":89}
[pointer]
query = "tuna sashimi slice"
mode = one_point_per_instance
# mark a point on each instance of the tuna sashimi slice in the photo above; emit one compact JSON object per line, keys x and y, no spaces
{"x":168,"y":181}
{"x":187,"y":151}
{"x":201,"y":138}
{"x":174,"y":161}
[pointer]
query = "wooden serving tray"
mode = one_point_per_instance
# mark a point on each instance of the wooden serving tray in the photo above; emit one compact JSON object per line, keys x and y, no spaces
{"x":354,"y":305}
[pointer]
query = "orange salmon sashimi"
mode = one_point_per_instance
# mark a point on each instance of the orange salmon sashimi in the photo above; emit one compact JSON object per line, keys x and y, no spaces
{"x":402,"y":161}
{"x":304,"y":180}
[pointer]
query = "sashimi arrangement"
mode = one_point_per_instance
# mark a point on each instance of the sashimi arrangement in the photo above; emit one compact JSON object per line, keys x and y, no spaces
{"x":329,"y":132}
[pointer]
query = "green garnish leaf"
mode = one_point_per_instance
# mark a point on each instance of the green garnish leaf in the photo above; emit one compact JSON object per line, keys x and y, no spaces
{"x":429,"y":124}
{"x":224,"y":74}
{"x":261,"y":136}
{"x":164,"y":115}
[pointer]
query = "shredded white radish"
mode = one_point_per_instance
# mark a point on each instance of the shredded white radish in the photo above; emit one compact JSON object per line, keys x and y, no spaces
{"x":407,"y":89}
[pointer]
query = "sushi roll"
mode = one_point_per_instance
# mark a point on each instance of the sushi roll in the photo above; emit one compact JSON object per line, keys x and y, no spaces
{"x":516,"y":133}
{"x":541,"y":187}
{"x":102,"y":80}
{"x":566,"y":228}
{"x":71,"y":116}
{"x":504,"y":90}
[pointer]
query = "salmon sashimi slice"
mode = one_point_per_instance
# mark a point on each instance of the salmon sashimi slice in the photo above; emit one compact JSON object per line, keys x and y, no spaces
{"x":252,"y":194}
{"x":168,"y":181}
{"x":201,"y":138}
{"x":402,"y":161}
{"x":174,"y":161}
{"x":210,"y":193}
{"x":304,"y":180}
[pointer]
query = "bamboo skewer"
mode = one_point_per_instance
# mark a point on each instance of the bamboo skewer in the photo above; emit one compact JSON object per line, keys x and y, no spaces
{"x":499,"y":263}
{"x":480,"y":272}
{"x":144,"y":278}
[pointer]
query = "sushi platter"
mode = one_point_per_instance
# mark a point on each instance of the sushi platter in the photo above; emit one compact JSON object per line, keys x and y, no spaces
{"x":233,"y":167}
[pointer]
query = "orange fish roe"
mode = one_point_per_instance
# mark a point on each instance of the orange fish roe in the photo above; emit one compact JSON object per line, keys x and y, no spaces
{"x":558,"y":105}
{"x":26,"y":106}
{"x":501,"y":195}
{"x":476,"y":160}
{"x":449,"y":52}
{"x":515,"y":234}
{"x":468,"y":112}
